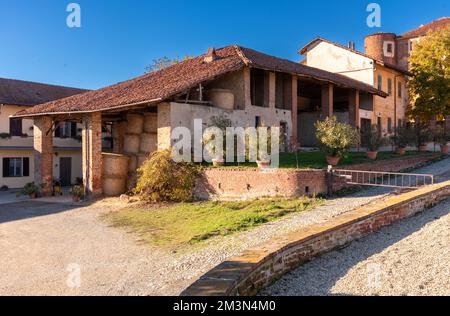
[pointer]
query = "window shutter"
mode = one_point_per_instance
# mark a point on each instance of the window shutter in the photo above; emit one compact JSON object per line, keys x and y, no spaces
{"x":57,"y":130}
{"x":73,"y":129}
{"x":5,"y":167}
{"x":26,"y":167}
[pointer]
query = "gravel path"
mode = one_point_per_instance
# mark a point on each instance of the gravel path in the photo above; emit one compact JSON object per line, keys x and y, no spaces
{"x":411,"y":257}
{"x":40,"y":243}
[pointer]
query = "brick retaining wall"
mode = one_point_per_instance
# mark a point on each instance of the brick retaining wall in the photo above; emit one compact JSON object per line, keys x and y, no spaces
{"x":248,"y":183}
{"x":258,"y":268}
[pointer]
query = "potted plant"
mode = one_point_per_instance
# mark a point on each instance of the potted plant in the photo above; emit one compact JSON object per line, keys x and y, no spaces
{"x":30,"y":189}
{"x":442,"y":138}
{"x":335,"y":139}
{"x":209,"y":139}
{"x":402,"y":139}
{"x":57,"y":188}
{"x":373,"y":140}
{"x":77,"y":193}
{"x":421,"y":136}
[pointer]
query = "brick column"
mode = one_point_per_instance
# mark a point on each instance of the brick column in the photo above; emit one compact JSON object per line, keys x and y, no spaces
{"x":294,"y":113}
{"x":247,"y":88}
{"x":327,"y":100}
{"x":92,"y":154}
{"x":353,"y":108}
{"x":272,"y":90}
{"x":43,"y":154}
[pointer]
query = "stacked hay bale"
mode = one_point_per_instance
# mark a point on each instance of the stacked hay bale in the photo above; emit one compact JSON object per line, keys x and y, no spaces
{"x":115,"y":171}
{"x":139,"y":142}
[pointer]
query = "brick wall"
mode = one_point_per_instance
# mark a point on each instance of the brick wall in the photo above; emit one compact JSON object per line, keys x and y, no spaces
{"x":259,"y":267}
{"x":247,"y":183}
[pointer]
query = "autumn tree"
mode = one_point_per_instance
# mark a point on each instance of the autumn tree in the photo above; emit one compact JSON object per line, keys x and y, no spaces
{"x":430,"y":86}
{"x":165,"y":62}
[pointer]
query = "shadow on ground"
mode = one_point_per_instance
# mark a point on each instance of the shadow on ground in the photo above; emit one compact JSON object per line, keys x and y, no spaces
{"x":30,"y":209}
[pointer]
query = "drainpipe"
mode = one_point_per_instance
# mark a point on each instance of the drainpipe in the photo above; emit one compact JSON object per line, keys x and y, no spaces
{"x":86,"y":157}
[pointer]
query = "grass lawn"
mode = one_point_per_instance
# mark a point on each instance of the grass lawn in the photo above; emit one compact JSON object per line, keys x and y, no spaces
{"x":316,"y":159}
{"x":190,"y":223}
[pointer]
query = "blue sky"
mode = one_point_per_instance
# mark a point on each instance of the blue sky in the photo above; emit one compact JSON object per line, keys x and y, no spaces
{"x":119,"y":38}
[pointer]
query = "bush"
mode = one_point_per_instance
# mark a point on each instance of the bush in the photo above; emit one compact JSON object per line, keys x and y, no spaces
{"x":403,"y":137}
{"x":421,"y":134}
{"x":162,"y":179}
{"x":441,"y":136}
{"x":372,"y":138}
{"x":335,"y":138}
{"x":30,"y":188}
{"x":77,"y":191}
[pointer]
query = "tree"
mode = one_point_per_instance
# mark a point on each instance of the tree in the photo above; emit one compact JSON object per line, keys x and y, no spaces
{"x":430,"y":86}
{"x":165,"y":62}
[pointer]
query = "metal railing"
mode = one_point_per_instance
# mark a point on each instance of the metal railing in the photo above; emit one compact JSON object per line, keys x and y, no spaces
{"x":384,"y":179}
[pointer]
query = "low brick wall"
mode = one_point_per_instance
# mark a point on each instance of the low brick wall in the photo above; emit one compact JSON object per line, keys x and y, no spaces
{"x":248,"y":183}
{"x":258,"y":268}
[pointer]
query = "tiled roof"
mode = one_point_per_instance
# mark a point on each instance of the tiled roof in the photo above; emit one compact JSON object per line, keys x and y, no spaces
{"x":424,"y":29}
{"x":25,"y":93}
{"x":160,"y":85}
{"x":380,"y":62}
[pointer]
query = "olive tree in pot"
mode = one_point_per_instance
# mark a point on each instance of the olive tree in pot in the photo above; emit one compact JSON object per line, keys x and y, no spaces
{"x":442,"y":137}
{"x":210,"y":142}
{"x":402,"y":139}
{"x":335,"y":139}
{"x":30,"y":189}
{"x":421,"y":135}
{"x":373,"y":140}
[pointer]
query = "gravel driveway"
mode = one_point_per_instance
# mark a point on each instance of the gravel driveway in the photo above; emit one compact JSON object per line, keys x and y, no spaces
{"x":411,"y":257}
{"x":44,"y":246}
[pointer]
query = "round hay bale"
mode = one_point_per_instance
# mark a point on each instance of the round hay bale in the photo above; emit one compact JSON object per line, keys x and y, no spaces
{"x":115,"y":165}
{"x":149,"y":143}
{"x":132,"y":144}
{"x":114,"y":186}
{"x":133,"y":164}
{"x":135,"y":123}
{"x":151,"y":123}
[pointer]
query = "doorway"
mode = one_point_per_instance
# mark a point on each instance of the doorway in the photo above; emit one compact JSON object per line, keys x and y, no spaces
{"x":65,"y":171}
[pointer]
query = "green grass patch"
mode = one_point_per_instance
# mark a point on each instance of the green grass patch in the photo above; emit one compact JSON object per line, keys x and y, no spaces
{"x":316,"y":159}
{"x":191,"y":223}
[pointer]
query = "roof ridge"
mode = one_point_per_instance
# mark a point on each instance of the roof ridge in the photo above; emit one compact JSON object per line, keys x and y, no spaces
{"x":242,"y":55}
{"x":43,"y":84}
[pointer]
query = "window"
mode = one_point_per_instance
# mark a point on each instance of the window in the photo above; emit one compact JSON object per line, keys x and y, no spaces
{"x":389,"y":86}
{"x":259,"y":87}
{"x":389,"y":48}
{"x":66,"y":130}
{"x":400,"y":90}
{"x":16,"y":167}
{"x":380,"y":82}
{"x":380,"y":127}
{"x":258,"y":122}
{"x":389,"y":125}
{"x":15,"y":127}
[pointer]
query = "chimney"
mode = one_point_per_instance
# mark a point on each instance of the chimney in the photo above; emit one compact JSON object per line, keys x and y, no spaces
{"x":211,"y":55}
{"x":349,"y":44}
{"x":353,"y":45}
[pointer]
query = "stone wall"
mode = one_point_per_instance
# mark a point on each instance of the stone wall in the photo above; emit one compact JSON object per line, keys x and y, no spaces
{"x":259,"y":267}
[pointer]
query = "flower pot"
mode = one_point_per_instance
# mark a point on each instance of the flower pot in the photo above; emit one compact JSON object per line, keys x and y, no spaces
{"x":76,"y":199}
{"x":401,"y":151}
{"x":263,"y":164}
{"x":444,"y":149}
{"x":423,"y":148}
{"x":32,"y":196}
{"x":218,"y":162}
{"x":333,"y":161}
{"x":372,"y":155}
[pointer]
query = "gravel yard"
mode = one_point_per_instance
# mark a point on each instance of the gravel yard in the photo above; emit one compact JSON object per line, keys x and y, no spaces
{"x":411,"y":257}
{"x":43,"y":245}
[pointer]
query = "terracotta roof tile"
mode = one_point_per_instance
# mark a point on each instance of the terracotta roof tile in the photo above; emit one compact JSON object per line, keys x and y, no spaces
{"x":26,"y":93}
{"x":160,"y":85}
{"x":424,"y":29}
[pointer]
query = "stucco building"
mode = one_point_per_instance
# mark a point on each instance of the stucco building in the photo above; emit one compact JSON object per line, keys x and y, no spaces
{"x":249,"y":87}
{"x":16,"y":135}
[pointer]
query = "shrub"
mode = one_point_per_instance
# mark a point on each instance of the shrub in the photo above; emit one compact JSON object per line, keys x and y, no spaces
{"x":4,"y":188}
{"x":162,"y":179}
{"x":77,"y":191}
{"x":421,"y":134}
{"x":372,"y":138}
{"x":403,"y":137}
{"x":30,"y":188}
{"x":441,"y":136}
{"x":335,"y":138}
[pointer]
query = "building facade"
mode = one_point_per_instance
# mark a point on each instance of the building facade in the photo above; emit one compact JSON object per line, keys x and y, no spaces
{"x":17,"y":163}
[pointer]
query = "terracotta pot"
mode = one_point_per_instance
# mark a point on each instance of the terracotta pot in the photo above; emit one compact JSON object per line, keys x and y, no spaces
{"x":444,"y":149}
{"x":401,"y":151}
{"x":372,"y":155}
{"x":263,"y":164}
{"x":218,"y":162}
{"x":76,"y":199}
{"x":333,"y":161}
{"x":423,"y":148}
{"x":32,"y":196}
